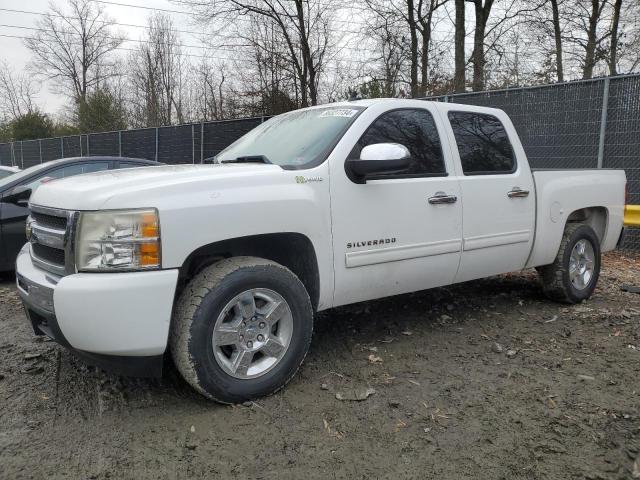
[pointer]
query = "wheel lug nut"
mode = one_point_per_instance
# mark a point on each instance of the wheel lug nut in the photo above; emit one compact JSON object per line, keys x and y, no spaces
{"x":250,"y":344}
{"x":262,"y":325}
{"x":260,"y":338}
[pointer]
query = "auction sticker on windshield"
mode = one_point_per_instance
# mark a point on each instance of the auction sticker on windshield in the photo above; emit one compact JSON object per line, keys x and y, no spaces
{"x":339,"y":112}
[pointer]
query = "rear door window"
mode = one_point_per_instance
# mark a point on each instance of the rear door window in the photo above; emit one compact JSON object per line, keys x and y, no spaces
{"x":483,"y":144}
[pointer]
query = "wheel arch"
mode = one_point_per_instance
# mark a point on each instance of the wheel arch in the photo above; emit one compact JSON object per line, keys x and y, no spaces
{"x":549,"y":233}
{"x":595,"y":217}
{"x":290,"y":249}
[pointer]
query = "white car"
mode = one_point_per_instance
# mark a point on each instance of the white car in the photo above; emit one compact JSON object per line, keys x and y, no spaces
{"x":6,"y":171}
{"x":225,"y":265}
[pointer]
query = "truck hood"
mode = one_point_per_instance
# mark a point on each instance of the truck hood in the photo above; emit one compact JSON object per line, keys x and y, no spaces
{"x":137,"y":187}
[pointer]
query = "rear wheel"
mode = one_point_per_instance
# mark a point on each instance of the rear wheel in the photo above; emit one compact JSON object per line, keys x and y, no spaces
{"x":242,"y":328}
{"x":573,"y":276}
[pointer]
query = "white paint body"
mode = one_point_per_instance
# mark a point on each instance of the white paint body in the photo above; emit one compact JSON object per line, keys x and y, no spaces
{"x":484,"y":233}
{"x":110,"y":314}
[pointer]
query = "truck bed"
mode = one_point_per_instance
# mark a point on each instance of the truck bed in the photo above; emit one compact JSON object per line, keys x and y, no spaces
{"x":562,"y":195}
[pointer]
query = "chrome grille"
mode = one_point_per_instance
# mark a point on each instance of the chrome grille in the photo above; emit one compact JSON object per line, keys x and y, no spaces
{"x":49,"y":221}
{"x":52,"y":239}
{"x":53,"y":256}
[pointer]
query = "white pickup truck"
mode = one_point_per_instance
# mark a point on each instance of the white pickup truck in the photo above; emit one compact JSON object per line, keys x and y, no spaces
{"x":225,"y":265}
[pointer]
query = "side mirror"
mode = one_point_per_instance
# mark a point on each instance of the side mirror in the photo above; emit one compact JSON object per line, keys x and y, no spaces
{"x":379,"y":158}
{"x":18,"y":196}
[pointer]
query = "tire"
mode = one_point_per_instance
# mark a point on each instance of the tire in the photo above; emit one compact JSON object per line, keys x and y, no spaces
{"x":203,"y":310}
{"x":556,"y":278}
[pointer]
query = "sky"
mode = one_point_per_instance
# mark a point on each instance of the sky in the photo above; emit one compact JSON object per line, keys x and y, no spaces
{"x":13,"y":51}
{"x":351,"y":46}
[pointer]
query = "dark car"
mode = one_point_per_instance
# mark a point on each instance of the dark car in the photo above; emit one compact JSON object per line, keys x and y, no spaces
{"x":16,"y":189}
{"x":6,"y":171}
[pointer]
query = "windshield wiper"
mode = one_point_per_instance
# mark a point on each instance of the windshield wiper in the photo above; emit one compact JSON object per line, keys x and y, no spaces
{"x":248,"y":159}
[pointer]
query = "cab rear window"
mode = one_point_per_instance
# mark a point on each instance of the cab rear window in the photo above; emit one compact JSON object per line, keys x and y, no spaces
{"x":483,"y":144}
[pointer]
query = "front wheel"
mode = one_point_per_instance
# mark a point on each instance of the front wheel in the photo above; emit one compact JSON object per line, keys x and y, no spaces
{"x":241,"y":329}
{"x":573,"y":276}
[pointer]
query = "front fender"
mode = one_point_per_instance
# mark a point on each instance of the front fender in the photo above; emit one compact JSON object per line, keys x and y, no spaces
{"x":284,"y":201}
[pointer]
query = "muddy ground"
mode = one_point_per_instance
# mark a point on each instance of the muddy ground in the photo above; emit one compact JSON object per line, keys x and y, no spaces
{"x":557,"y":397}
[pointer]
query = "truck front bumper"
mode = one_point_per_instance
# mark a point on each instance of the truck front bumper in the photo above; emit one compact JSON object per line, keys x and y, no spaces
{"x":116,"y":321}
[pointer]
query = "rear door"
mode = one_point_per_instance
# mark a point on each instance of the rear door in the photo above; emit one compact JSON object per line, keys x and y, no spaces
{"x":498,"y":192}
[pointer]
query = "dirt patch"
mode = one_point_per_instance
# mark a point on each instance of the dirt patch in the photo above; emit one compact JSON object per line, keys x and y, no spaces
{"x":480,"y":380}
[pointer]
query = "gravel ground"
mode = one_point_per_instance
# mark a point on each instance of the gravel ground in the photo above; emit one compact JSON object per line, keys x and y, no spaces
{"x":484,"y":380}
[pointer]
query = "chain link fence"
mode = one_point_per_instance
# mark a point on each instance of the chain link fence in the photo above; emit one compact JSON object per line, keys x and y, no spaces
{"x":190,"y":143}
{"x":582,"y":124}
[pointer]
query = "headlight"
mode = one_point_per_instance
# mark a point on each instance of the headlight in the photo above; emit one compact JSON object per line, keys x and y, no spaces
{"x":118,"y":240}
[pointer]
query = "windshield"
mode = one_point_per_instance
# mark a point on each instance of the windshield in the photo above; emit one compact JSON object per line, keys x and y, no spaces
{"x":27,"y":172}
{"x":24,"y":173}
{"x":299,"y":139}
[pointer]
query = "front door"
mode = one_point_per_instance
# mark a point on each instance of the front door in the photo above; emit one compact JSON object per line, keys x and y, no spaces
{"x":394,"y":234}
{"x":13,"y":217}
{"x":12,"y":234}
{"x":498,"y":192}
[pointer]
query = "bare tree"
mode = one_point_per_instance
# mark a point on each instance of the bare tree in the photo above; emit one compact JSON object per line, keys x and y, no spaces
{"x":557,"y":35}
{"x":17,"y":93}
{"x":146,"y":90}
{"x":168,"y":58}
{"x":548,"y":24}
{"x":583,"y":38}
{"x":157,"y":75}
{"x":72,"y":48}
{"x":587,"y":30}
{"x":492,"y":28}
{"x":482,"y":12}
{"x":384,"y":74}
{"x":626,"y":47}
{"x":425,"y":12}
{"x":604,"y":35}
{"x":416,"y":19}
{"x":459,"y":76}
{"x":597,"y":7}
{"x":291,"y":53}
{"x":302,"y":24}
{"x":209,"y":87}
{"x":613,"y":50}
{"x":413,"y":32}
{"x":270,"y":85}
{"x":393,"y":54}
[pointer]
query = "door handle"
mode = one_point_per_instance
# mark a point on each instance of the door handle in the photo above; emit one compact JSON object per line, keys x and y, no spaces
{"x":441,"y":198}
{"x":517,"y":192}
